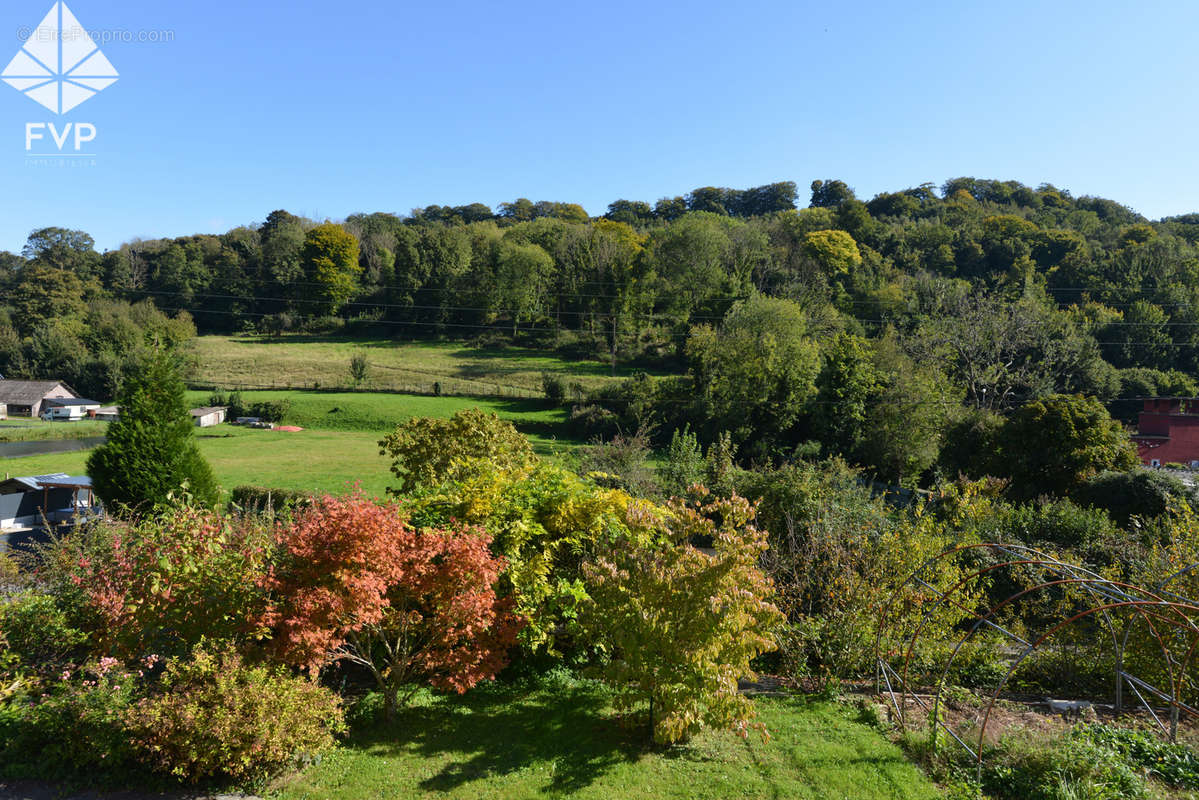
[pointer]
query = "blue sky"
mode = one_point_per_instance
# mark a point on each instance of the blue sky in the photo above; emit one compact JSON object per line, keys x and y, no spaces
{"x":327,"y":109}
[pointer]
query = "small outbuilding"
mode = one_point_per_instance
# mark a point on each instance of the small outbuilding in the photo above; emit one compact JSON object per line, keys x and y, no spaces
{"x":41,"y":501}
{"x":108,"y":413}
{"x":69,"y":410}
{"x":28,"y":398}
{"x":208,"y":417}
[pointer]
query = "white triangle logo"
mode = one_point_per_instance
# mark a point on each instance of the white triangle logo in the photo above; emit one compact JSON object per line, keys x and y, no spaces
{"x":60,"y":65}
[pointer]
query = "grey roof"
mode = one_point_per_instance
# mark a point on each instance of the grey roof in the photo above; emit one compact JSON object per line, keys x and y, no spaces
{"x":37,"y":482}
{"x":65,"y":481}
{"x":204,"y":412}
{"x":27,"y":393}
{"x":63,"y":402}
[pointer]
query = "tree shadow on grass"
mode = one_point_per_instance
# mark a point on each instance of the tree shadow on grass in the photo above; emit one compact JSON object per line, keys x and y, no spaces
{"x":500,"y":731}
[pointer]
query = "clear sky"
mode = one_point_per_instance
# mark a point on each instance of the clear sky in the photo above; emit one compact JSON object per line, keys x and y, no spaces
{"x":327,"y":108}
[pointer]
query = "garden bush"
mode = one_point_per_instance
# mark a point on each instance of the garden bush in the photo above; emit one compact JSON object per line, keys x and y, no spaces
{"x":160,"y":585}
{"x":681,"y":625}
{"x":259,"y":499}
{"x":1141,"y":493}
{"x":355,"y":582}
{"x":837,"y":554}
{"x":554,"y":388}
{"x":37,"y":631}
{"x":213,"y":716}
{"x":545,"y":522}
{"x":1027,"y":766}
{"x":426,"y":451}
{"x":71,"y":725}
{"x":621,"y":462}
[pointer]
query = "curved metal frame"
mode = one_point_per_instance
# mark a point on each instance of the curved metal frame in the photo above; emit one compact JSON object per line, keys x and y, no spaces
{"x":1175,"y":613}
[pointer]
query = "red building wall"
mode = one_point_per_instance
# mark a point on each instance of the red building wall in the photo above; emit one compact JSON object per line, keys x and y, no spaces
{"x":1168,"y":431}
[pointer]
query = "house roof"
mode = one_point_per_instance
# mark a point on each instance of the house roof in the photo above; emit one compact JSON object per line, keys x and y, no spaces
{"x":63,"y":402}
{"x":27,"y":393}
{"x":204,"y":412}
{"x":58,"y":480}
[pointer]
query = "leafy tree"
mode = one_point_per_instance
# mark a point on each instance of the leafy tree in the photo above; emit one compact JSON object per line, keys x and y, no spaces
{"x":632,"y":212}
{"x":684,"y":464}
{"x":682,"y":625}
{"x":691,"y":256}
{"x":66,"y":250}
{"x":1004,"y":352}
{"x":330,"y":259}
{"x":1053,"y":446}
{"x":44,"y":293}
{"x":904,"y":427}
{"x":835,"y":251}
{"x":1141,"y":338}
{"x":356,"y":582}
{"x":523,"y":273}
{"x":830,"y":194}
{"x":282,"y":236}
{"x":151,"y":457}
{"x":359,"y":368}
{"x":756,"y":374}
{"x":428,"y":451}
{"x":847,"y":386}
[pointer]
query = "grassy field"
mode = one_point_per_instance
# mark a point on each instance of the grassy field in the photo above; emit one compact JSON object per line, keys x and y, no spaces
{"x":302,"y":361}
{"x":504,"y":743}
{"x":337,"y":448}
{"x":36,"y":430}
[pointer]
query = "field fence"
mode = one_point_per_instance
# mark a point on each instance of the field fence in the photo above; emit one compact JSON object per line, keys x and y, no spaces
{"x":451,"y":387}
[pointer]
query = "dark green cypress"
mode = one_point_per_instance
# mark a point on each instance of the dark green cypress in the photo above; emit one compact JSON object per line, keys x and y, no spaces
{"x":151,"y":453}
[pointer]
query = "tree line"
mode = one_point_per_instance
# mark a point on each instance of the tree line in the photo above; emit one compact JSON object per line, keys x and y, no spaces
{"x":971,"y":298}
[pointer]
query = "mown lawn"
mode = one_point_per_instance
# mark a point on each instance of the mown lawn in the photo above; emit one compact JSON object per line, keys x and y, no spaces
{"x":505,"y":743}
{"x":301,"y":361}
{"x":337,"y":449}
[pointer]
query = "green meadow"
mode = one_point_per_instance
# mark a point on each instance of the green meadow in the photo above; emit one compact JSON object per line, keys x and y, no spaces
{"x":338,"y":447}
{"x":459,"y":368}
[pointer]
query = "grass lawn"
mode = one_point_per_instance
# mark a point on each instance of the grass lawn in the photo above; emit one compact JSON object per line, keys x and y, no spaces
{"x":338,"y":447}
{"x":504,"y":743}
{"x":301,"y":361}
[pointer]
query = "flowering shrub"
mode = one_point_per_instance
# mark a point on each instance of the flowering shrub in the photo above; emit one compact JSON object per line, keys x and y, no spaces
{"x":74,"y":725}
{"x":161,"y":584}
{"x":356,"y":582}
{"x":215,"y":716}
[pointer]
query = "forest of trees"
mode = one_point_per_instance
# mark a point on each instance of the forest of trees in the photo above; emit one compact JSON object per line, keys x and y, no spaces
{"x":900,"y":331}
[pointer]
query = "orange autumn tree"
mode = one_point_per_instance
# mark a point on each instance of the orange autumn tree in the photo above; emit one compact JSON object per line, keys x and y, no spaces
{"x":355,"y":582}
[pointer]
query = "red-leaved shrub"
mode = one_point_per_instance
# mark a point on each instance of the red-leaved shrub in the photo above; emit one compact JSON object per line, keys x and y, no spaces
{"x":356,"y":582}
{"x":161,"y":584}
